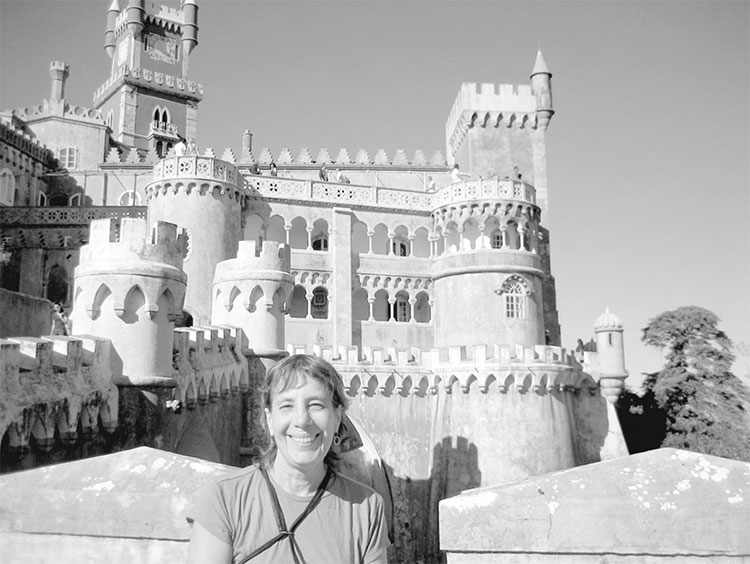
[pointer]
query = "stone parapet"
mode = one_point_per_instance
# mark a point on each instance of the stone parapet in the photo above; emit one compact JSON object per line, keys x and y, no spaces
{"x":660,"y":506}
{"x":35,"y":216}
{"x":59,"y":108}
{"x":147,"y":78}
{"x":484,"y":189}
{"x":116,"y":243}
{"x":209,"y":364}
{"x":479,"y":369}
{"x":197,"y":167}
{"x":51,"y":384}
{"x":24,"y":143}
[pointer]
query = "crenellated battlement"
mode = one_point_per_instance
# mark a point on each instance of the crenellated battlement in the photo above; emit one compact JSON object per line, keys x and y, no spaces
{"x":344,"y":160}
{"x":175,"y":85}
{"x":209,"y":364}
{"x":270,"y":256}
{"x":488,"y":105}
{"x":129,"y":239}
{"x":501,"y":368}
{"x":51,"y":384}
{"x":24,"y":143}
{"x":167,"y":17}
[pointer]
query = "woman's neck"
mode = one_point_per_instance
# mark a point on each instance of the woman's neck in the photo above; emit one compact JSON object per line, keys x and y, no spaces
{"x":295,"y":481}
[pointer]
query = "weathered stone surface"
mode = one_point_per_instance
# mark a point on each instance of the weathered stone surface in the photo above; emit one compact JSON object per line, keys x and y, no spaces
{"x":666,"y":503}
{"x":131,"y":506}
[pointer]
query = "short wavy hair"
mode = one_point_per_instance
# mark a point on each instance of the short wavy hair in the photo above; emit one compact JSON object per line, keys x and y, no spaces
{"x":291,"y":373}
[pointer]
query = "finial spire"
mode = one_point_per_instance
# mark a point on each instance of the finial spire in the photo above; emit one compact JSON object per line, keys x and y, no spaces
{"x":540,"y":67}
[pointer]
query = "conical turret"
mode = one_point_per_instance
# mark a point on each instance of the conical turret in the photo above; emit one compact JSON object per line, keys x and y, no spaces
{"x":135,"y":12}
{"x":109,"y":34}
{"x":190,"y":27}
{"x":541,"y":87}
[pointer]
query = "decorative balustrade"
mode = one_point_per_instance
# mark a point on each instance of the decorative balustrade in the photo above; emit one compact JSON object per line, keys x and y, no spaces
{"x":163,"y":128}
{"x":373,"y":196}
{"x":65,"y":215}
{"x":499,"y":369}
{"x":195,"y":166}
{"x":483,"y":188}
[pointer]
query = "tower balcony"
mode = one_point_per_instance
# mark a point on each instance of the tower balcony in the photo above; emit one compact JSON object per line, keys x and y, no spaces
{"x":163,"y":129}
{"x":484,"y":189}
{"x":194,"y":167}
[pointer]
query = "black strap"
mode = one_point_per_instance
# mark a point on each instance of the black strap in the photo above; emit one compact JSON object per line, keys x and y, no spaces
{"x":281,"y":522}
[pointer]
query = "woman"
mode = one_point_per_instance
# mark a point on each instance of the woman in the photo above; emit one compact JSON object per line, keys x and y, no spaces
{"x":293,"y":507}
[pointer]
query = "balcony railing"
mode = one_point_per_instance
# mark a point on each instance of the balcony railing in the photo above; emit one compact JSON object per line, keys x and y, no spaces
{"x":373,"y":196}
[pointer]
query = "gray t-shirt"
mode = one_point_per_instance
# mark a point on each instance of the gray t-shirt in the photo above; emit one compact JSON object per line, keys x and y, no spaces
{"x":348,"y":526}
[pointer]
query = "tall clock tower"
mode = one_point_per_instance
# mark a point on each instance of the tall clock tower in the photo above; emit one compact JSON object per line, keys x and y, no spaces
{"x":148,"y":100}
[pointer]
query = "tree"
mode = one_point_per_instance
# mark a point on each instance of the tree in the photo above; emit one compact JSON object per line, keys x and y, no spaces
{"x":707,"y":408}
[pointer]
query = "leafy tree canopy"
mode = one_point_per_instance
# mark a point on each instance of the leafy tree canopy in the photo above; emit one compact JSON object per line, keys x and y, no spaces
{"x":707,"y":408}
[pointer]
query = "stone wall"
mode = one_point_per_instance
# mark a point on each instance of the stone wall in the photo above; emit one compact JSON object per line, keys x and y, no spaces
{"x":24,"y":315}
{"x":447,"y":420}
{"x":661,"y":506}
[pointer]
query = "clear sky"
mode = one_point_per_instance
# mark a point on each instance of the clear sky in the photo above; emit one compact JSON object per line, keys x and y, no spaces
{"x":648,"y":153}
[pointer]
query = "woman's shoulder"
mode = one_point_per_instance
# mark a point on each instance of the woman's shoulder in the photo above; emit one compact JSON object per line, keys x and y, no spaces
{"x":239,"y":478}
{"x":352,"y":490}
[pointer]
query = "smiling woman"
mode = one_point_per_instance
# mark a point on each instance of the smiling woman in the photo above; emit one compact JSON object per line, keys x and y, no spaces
{"x":243,"y":517}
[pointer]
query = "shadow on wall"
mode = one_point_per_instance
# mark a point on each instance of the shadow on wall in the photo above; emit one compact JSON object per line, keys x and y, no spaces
{"x":592,"y":424}
{"x":455,"y":467}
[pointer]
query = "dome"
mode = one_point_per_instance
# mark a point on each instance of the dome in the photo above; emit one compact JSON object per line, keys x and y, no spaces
{"x":607,"y":320}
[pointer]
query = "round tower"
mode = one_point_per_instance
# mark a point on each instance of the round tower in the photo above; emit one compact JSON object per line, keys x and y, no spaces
{"x":487,"y":271}
{"x":109,"y":35}
{"x":190,"y":26}
{"x":611,"y":354}
{"x":541,"y":88}
{"x":202,"y":196}
{"x":251,"y":292}
{"x":59,"y":73}
{"x":129,"y":288}
{"x":135,"y":11}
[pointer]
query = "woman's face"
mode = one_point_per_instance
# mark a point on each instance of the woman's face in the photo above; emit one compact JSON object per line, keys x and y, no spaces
{"x":303,"y":422}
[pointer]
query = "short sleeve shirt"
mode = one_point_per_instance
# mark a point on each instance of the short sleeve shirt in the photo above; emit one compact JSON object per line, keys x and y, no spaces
{"x":348,"y":526}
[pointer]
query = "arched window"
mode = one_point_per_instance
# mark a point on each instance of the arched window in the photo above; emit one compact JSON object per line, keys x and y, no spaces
{"x":515,"y":300}
{"x":497,"y":239}
{"x":298,"y":303}
{"x":110,"y":119}
{"x":319,"y":235}
{"x":157,"y":114}
{"x":130,"y":198}
{"x":400,"y":247}
{"x":402,"y":311}
{"x":41,"y":199}
{"x":320,"y":303}
{"x":320,"y":242}
{"x":7,"y":187}
{"x":74,"y":200}
{"x":422,"y":313}
{"x":59,"y":200}
{"x":68,"y":157}
{"x":57,"y":285}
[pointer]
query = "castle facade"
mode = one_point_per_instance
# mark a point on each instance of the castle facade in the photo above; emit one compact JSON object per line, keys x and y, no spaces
{"x":428,"y":285}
